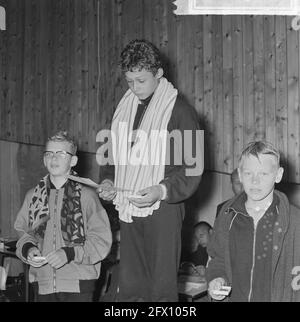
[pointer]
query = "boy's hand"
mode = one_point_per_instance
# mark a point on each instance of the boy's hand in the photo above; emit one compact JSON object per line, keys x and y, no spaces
{"x":57,"y":258}
{"x":148,"y":196}
{"x":32,"y":253}
{"x":215,"y":285}
{"x":106,"y":191}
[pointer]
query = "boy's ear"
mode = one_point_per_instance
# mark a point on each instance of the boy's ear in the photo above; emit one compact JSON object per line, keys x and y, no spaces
{"x":279,"y":175}
{"x":239,"y":174}
{"x":74,"y":160}
{"x":159,"y":73}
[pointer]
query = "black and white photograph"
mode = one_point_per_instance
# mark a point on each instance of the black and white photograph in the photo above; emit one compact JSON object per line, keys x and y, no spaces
{"x":150,"y":153}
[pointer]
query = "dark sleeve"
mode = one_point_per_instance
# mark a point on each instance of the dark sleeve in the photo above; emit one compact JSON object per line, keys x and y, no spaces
{"x":26,"y":247}
{"x":200,"y":257}
{"x":219,"y":207}
{"x":107,"y":172}
{"x":185,"y":159}
{"x":216,"y":251}
{"x":70,"y":253}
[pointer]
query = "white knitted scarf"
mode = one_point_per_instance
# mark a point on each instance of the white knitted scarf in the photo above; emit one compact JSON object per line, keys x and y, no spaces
{"x":142,"y":164}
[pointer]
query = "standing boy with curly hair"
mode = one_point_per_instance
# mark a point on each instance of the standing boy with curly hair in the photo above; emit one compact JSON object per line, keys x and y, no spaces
{"x":151,"y":214}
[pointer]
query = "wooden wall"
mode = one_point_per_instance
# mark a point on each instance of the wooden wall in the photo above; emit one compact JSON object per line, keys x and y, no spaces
{"x":58,"y":69}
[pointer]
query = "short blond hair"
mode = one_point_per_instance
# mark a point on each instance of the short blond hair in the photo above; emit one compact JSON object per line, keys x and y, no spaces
{"x":63,"y":136}
{"x":259,"y":147}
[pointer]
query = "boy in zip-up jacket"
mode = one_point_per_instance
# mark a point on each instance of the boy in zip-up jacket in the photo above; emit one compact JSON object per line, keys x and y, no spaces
{"x":64,"y":230}
{"x":255,"y":245}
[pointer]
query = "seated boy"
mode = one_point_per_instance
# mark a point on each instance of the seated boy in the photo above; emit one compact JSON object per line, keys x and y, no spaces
{"x":64,"y":230}
{"x":255,"y":244}
{"x":196,"y":252}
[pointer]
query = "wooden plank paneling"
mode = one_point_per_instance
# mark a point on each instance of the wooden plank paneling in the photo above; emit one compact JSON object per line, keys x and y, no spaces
{"x":281,"y":87}
{"x":159,"y":22}
{"x":5,"y":196}
{"x":293,"y":103}
{"x":117,"y":79}
{"x":77,"y":48}
{"x":185,"y":59}
{"x":270,"y":77}
{"x":218,"y":120}
{"x":92,"y":80}
{"x":13,"y":188}
{"x":133,"y":20}
{"x":59,"y":68}
{"x":238,"y":102}
{"x":29,"y":57}
{"x":72,"y":70}
{"x":84,"y":74}
{"x":198,"y":69}
{"x":3,"y":76}
{"x":17,"y":177}
{"x":248,"y":81}
{"x":40,"y":76}
{"x":258,"y":78}
{"x":297,"y":132}
{"x":208,"y":114}
{"x":228,"y":127}
{"x":171,"y":44}
{"x":12,"y":114}
{"x":33,"y":109}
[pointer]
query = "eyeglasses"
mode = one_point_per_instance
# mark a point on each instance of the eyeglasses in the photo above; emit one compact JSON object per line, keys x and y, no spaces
{"x":58,"y":154}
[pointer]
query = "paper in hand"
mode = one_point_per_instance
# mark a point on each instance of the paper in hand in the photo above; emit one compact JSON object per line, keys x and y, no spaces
{"x":93,"y":184}
{"x":86,"y":181}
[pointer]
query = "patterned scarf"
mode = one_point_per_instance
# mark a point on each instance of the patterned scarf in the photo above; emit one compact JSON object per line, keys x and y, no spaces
{"x":72,"y":227}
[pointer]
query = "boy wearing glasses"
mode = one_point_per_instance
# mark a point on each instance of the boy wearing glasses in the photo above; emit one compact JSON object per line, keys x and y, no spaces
{"x":64,"y":230}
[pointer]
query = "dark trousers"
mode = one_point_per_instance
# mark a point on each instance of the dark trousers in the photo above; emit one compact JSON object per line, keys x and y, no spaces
{"x":150,"y":255}
{"x":65,"y":297}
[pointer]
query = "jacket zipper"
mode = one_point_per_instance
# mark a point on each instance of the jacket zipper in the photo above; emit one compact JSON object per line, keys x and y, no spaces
{"x":253,"y":262}
{"x":54,"y":238}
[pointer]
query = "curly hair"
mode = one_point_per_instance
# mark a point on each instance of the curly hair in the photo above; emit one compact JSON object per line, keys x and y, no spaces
{"x":63,"y":136}
{"x":140,"y":54}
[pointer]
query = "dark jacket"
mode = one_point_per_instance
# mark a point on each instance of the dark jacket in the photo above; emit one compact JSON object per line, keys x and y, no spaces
{"x":285,"y":256}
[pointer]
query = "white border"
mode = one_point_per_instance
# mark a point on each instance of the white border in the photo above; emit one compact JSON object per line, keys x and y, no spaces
{"x":189,"y":7}
{"x":2,"y":18}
